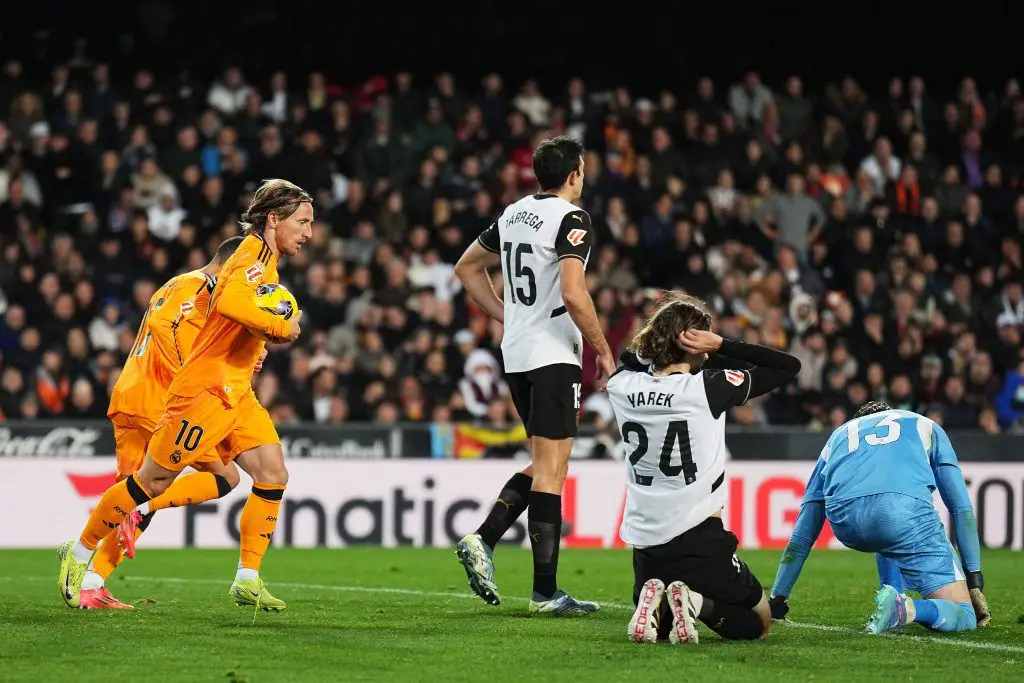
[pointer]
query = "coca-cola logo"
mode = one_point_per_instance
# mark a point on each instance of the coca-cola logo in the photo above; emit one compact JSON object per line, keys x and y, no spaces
{"x":59,"y":442}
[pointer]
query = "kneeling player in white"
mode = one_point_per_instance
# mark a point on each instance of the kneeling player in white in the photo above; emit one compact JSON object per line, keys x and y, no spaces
{"x":672,"y":418}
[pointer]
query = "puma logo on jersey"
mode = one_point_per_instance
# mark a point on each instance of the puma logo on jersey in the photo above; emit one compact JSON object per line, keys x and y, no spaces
{"x":735,"y":377}
{"x":576,"y":236}
{"x":578,"y":217}
{"x":650,"y":398}
{"x":254,"y":273}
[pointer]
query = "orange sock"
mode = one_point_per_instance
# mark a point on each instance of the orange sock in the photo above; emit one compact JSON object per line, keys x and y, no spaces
{"x":196,"y":487}
{"x":114,"y":506}
{"x":110,"y":553}
{"x":107,"y":556}
{"x":259,"y":518}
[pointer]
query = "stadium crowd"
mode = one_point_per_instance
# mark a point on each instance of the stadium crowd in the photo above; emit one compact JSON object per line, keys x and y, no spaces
{"x":877,"y":238}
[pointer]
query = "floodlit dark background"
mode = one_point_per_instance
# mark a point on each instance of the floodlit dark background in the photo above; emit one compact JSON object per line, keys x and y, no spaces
{"x":866,"y":216}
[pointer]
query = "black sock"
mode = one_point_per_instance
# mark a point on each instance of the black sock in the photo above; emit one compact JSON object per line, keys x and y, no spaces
{"x":511,"y":503}
{"x":731,"y":621}
{"x":545,"y":527}
{"x":146,"y":519}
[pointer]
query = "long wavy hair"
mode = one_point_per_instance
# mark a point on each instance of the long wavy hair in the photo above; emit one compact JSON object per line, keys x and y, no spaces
{"x":657,"y":340}
{"x":275,"y":196}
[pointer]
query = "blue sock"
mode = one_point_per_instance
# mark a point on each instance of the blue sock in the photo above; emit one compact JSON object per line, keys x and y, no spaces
{"x":888,"y":572}
{"x":927,"y":612}
{"x":945,"y":616}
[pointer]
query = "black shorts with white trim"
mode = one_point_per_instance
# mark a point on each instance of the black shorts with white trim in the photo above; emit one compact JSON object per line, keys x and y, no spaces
{"x":548,"y":399}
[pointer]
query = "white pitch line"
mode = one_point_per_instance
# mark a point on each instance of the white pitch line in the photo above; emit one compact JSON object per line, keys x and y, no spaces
{"x":957,"y":642}
{"x":952,"y":642}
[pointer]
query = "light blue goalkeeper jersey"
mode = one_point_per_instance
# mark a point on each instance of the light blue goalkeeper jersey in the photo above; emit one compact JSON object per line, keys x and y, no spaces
{"x":895,"y":451}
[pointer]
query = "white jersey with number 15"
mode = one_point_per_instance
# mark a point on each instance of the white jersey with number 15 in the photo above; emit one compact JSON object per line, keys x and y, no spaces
{"x":532,"y":236}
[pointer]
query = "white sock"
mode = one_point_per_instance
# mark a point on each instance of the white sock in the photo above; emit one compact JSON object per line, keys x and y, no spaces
{"x":697,"y":600}
{"x":143,"y":509}
{"x":92,"y":581}
{"x":80,"y":552}
{"x":244,"y":574}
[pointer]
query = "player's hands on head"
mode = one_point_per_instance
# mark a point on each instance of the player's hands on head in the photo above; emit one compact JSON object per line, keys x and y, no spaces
{"x":779,"y":607}
{"x":699,"y":341}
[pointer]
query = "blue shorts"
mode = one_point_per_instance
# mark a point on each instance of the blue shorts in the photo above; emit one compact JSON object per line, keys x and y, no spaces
{"x":904,"y":529}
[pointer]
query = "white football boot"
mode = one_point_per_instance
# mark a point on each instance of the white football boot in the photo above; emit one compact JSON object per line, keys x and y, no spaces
{"x":684,"y":615}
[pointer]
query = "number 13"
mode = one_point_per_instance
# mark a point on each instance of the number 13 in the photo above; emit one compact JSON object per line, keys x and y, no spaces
{"x":892,"y":432}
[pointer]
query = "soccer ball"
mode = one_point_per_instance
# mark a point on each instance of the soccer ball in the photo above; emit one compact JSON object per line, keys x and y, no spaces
{"x":276,"y":299}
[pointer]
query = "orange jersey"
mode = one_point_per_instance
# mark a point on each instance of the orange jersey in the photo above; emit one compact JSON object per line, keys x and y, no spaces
{"x":227,"y":348}
{"x":175,"y":314}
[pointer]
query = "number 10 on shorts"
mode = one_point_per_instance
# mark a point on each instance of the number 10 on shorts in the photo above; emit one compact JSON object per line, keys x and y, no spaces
{"x":189,"y":437}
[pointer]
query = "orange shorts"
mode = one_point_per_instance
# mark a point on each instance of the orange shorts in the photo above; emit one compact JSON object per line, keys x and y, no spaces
{"x":194,"y":425}
{"x":132,"y":434}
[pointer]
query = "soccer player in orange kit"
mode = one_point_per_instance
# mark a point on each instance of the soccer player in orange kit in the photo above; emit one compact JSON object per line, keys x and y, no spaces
{"x":210,"y":402}
{"x":173,"y":318}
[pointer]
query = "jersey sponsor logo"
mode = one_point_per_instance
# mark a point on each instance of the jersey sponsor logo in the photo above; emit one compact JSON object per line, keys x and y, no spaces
{"x":254,"y":273}
{"x":187,"y":307}
{"x":576,"y":235}
{"x":735,"y":377}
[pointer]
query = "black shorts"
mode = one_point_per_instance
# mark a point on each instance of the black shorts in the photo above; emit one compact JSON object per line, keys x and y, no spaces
{"x":548,"y":399}
{"x":704,"y":558}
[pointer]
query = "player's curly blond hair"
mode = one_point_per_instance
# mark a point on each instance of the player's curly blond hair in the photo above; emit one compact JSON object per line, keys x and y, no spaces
{"x":276,"y":196}
{"x":677,"y":313}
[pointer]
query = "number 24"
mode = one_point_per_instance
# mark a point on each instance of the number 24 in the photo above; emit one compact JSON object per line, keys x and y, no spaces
{"x":892,"y":433}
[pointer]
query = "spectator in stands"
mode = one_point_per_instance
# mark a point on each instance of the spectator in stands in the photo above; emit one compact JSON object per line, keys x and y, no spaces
{"x":879,"y":238}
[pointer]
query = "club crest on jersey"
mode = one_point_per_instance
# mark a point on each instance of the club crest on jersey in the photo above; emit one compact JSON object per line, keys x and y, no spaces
{"x":576,"y":236}
{"x":254,"y":273}
{"x":734,"y":377}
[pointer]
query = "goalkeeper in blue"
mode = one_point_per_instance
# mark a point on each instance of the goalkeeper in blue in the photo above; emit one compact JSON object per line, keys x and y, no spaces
{"x":874,"y":481}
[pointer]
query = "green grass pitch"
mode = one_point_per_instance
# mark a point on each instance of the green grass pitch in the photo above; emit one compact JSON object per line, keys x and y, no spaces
{"x":421,"y":626}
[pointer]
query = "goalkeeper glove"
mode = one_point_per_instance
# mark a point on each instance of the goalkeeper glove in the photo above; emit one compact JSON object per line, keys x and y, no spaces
{"x":779,"y":606}
{"x":976,"y":584}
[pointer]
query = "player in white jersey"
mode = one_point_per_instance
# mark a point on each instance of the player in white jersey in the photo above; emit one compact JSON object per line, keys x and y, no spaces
{"x":541,"y":243}
{"x":672,"y":417}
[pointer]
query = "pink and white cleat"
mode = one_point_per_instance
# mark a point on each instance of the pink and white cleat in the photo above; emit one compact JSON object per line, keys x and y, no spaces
{"x":126,"y":531}
{"x":684,"y":616}
{"x":643,"y":627}
{"x":100,"y":598}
